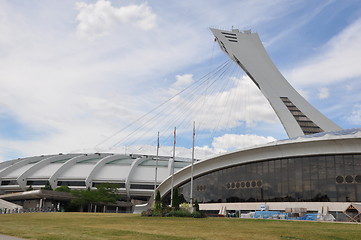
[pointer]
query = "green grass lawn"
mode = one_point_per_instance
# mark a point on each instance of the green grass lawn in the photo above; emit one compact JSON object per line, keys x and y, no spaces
{"x":98,"y":226}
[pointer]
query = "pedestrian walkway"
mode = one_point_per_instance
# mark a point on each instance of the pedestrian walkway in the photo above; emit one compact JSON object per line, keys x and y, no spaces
{"x":5,"y":237}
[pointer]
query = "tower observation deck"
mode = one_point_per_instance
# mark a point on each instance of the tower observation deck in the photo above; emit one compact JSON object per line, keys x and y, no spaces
{"x":297,"y":116}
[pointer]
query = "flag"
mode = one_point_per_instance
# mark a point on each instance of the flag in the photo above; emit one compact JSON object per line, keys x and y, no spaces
{"x":158,"y":141}
{"x":175,"y":135}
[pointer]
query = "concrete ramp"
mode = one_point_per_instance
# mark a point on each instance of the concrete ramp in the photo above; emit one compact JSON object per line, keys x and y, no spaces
{"x":141,"y":207}
{"x":9,"y":206}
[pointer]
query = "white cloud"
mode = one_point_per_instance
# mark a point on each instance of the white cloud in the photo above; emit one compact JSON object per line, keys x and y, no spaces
{"x":297,"y":23}
{"x":355,"y":116}
{"x":96,"y":20}
{"x":338,"y":61}
{"x":74,"y":93}
{"x":243,"y":102}
{"x":323,"y":93}
{"x":233,"y":141}
{"x":183,"y":81}
{"x":215,"y":105}
{"x":213,"y":108}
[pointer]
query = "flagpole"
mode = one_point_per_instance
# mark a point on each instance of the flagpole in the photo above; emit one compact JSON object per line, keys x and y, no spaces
{"x":156,"y":168}
{"x":194,"y":133}
{"x":175,"y":141}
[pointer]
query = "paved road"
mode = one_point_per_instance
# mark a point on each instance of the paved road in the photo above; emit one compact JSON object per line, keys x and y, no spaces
{"x":4,"y":237}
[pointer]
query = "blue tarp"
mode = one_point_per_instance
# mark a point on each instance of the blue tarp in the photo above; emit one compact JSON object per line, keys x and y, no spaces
{"x":267,"y":214}
{"x":309,"y":217}
{"x":270,"y":214}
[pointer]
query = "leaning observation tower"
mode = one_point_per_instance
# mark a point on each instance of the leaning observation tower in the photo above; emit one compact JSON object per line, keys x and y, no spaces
{"x":297,"y":116}
{"x":320,"y":172}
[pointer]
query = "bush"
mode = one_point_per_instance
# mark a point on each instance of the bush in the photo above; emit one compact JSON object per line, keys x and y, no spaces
{"x":47,"y":187}
{"x":185,"y":205}
{"x":147,"y":213}
{"x":197,"y":214}
{"x":175,"y":200}
{"x":62,"y":189}
{"x":151,"y":213}
{"x":184,"y":213}
{"x":158,"y":202}
{"x":179,"y":213}
{"x":196,"y":206}
{"x":170,"y":212}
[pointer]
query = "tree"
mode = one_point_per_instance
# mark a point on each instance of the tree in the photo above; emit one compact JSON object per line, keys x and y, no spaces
{"x":175,"y":201}
{"x":63,"y":188}
{"x":158,"y":202}
{"x":196,"y":206}
{"x":47,"y":187}
{"x":82,"y":198}
{"x":105,"y":193}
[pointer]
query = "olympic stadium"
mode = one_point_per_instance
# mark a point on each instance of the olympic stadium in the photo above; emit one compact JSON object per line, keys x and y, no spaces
{"x":134,"y":175}
{"x":316,"y":170}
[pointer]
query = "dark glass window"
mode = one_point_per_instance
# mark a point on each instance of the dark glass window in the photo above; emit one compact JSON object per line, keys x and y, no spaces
{"x":9,"y":182}
{"x":37,"y":182}
{"x":358,"y":178}
{"x":142,"y":186}
{"x":340,"y":179}
{"x":349,"y":179}
{"x":259,"y":183}
{"x":71,"y":183}
{"x":117,"y":185}
{"x":312,"y":178}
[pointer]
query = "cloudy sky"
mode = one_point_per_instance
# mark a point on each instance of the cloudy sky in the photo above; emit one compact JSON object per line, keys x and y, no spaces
{"x":108,"y":75}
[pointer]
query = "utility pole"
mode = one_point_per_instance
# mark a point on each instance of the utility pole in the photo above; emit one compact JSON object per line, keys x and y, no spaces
{"x":156,"y":168}
{"x":175,"y":141}
{"x":194,"y":134}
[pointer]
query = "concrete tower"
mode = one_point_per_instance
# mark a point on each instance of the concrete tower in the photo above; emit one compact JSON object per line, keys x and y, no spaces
{"x":296,"y":114}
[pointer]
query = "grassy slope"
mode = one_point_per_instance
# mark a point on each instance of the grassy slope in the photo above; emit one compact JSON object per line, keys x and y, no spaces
{"x":89,"y":226}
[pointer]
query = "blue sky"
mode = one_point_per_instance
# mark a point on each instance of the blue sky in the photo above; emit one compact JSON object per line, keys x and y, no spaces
{"x":75,"y":73}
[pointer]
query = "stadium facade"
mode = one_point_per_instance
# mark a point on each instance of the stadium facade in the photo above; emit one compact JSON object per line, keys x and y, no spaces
{"x":317,"y":170}
{"x":134,"y":175}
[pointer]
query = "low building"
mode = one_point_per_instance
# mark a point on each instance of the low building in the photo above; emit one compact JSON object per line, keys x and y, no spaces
{"x":320,"y":173}
{"x":133,"y":175}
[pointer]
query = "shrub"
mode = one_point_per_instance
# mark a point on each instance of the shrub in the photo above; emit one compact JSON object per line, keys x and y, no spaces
{"x":147,"y":213}
{"x":185,"y":205}
{"x":196,"y":206}
{"x":170,"y":212}
{"x":151,"y":213}
{"x":175,"y":200}
{"x":184,"y":213}
{"x":197,"y":214}
{"x":47,"y":187}
{"x":63,"y":188}
{"x":158,"y":202}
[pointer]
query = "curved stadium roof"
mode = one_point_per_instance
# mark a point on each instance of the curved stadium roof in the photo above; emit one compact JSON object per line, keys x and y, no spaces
{"x":335,"y":142}
{"x":133,"y":174}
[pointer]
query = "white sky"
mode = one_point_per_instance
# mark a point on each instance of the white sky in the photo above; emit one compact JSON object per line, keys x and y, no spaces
{"x":73,"y":73}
